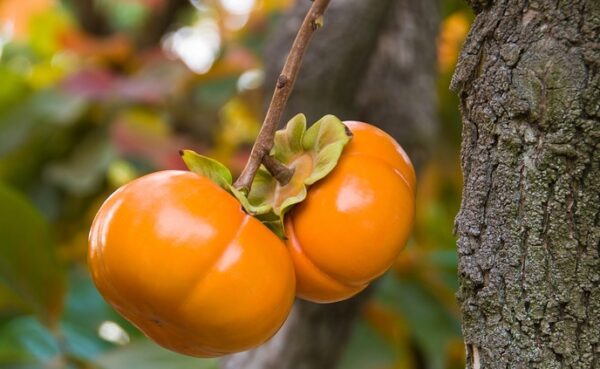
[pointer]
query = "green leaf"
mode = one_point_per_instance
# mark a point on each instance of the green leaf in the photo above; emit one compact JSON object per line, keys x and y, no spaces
{"x":29,"y":266}
{"x":57,"y":107}
{"x":85,"y":310}
{"x":148,"y":355}
{"x":11,"y":304}
{"x":275,"y":225}
{"x":83,"y":172}
{"x":127,"y":15}
{"x":432,"y":325}
{"x":13,"y":87}
{"x":25,"y":341}
{"x":44,"y":110}
{"x":259,"y":200}
{"x":367,"y":350}
{"x":207,"y":167}
{"x":290,"y":201}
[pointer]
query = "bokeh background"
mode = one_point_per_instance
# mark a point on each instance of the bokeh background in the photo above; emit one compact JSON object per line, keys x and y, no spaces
{"x":91,"y":98}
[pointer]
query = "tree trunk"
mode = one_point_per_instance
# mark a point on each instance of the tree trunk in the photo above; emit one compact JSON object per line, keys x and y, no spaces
{"x":529,"y":224}
{"x":372,"y":61}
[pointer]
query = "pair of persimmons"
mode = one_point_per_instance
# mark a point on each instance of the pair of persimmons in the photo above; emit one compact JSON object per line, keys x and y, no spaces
{"x":177,"y":256}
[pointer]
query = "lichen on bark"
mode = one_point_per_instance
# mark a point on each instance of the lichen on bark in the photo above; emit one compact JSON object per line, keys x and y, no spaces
{"x":529,"y":224}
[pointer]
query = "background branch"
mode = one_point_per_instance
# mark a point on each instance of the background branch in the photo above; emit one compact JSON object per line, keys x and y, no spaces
{"x":90,"y":17}
{"x":159,"y":22}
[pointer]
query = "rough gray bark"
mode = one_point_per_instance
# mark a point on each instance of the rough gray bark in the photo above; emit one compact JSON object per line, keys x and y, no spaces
{"x":373,"y":61}
{"x":529,"y":225}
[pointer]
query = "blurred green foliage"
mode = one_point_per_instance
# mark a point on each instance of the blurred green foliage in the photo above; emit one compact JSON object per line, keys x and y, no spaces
{"x":92,"y":97}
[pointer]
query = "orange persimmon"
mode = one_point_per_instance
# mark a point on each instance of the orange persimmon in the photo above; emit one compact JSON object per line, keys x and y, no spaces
{"x":354,"y":222}
{"x":176,"y":255}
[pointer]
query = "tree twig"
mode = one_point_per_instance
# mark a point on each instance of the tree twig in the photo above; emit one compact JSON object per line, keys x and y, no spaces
{"x":283,"y":88}
{"x":159,"y":22}
{"x":281,"y":173}
{"x":90,"y":17}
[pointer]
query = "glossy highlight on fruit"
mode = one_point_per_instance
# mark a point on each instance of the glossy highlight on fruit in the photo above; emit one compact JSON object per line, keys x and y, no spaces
{"x":354,"y":222}
{"x":176,"y":255}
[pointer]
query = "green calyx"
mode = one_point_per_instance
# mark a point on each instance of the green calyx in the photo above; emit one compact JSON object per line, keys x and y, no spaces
{"x":312,"y":153}
{"x":219,"y":174}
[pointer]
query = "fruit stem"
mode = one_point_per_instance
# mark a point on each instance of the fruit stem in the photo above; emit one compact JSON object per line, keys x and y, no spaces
{"x":283,"y":88}
{"x":279,"y":171}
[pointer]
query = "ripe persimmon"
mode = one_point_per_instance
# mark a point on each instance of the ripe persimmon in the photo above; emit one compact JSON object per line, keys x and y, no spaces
{"x":175,"y":254}
{"x":353,"y":223}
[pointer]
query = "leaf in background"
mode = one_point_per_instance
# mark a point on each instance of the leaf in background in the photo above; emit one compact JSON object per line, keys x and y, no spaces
{"x":12,"y":88}
{"x":446,"y":259}
{"x":214,"y":94}
{"x":57,"y":107}
{"x":367,"y":350}
{"x":453,"y":32}
{"x":239,"y":124}
{"x":126,"y":15}
{"x":15,"y":129}
{"x":24,"y":341}
{"x":394,"y":329}
{"x":431,"y":325}
{"x":45,"y":28}
{"x":148,"y":355}
{"x":10,"y":303}
{"x":85,"y":311}
{"x":36,"y":114}
{"x":275,"y":5}
{"x":29,"y":266}
{"x":92,"y":84}
{"x":84,"y":171}
{"x":142,"y":135}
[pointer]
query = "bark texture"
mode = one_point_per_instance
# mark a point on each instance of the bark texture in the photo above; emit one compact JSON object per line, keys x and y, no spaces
{"x":529,"y":225}
{"x":372,"y":61}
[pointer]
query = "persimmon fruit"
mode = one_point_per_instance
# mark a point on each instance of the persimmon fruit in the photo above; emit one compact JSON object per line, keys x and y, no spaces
{"x":184,"y":255}
{"x":177,"y":256}
{"x":353,"y":223}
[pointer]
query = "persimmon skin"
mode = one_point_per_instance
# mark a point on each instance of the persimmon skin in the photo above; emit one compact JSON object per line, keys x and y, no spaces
{"x":177,"y":257}
{"x":354,"y":222}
